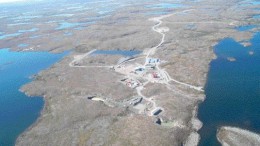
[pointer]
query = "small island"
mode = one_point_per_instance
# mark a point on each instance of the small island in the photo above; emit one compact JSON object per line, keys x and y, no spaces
{"x":231,"y":136}
{"x":231,"y":59}
{"x":251,"y":52}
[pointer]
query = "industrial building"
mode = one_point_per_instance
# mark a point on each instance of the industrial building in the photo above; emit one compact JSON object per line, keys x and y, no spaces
{"x":136,"y":100}
{"x":156,"y":111}
{"x":156,"y":75}
{"x":152,"y":60}
{"x":139,"y":69}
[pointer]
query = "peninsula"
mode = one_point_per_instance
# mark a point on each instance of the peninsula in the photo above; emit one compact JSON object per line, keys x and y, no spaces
{"x":134,"y":77}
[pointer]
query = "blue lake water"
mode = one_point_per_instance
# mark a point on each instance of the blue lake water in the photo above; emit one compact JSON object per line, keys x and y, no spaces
{"x":256,"y":17}
{"x":77,"y":26}
{"x":162,"y":8}
{"x":34,"y":36}
{"x":256,"y":2}
{"x":232,"y":90}
{"x":117,"y":52}
{"x":246,"y":3}
{"x":20,"y":32}
{"x":102,"y":12}
{"x":245,"y":28}
{"x":17,"y":24}
{"x":63,"y":15}
{"x":24,"y":18}
{"x":61,"y":12}
{"x":23,"y":45}
{"x":17,"y":111}
{"x":165,"y":6}
{"x":28,"y":30}
{"x":66,"y":25}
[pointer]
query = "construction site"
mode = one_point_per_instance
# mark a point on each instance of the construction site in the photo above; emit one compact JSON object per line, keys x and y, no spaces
{"x":137,"y":71}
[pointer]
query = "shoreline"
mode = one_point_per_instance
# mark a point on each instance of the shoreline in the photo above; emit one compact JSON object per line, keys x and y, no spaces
{"x":228,"y":129}
{"x":194,"y":137}
{"x":194,"y":123}
{"x":232,"y":136}
{"x":34,"y":124}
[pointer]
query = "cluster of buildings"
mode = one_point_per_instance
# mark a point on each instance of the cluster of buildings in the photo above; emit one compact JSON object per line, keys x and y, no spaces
{"x":151,"y":63}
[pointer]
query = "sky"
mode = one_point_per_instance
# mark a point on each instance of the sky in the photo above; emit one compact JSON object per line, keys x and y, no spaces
{"x":17,"y":1}
{"x":10,"y":1}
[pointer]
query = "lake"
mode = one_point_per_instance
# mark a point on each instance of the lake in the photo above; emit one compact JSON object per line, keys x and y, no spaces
{"x":232,"y":90}
{"x":17,"y":111}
